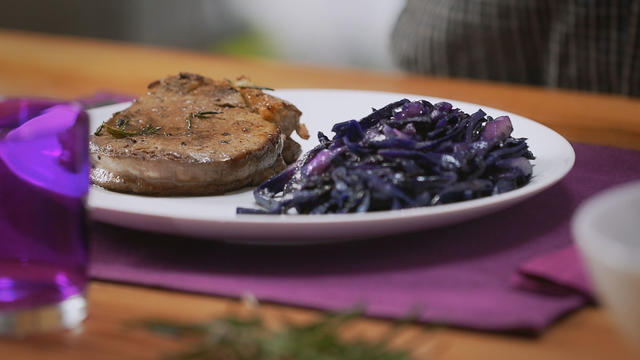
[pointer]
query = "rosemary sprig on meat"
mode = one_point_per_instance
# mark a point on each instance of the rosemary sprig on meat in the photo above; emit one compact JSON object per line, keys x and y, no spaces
{"x":120,"y":132}
{"x":99,"y":130}
{"x":255,"y":87}
{"x":122,"y":123}
{"x":244,"y":84}
{"x":199,"y":115}
{"x":148,"y":130}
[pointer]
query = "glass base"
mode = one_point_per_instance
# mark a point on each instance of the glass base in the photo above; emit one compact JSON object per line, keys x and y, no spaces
{"x":64,"y":315}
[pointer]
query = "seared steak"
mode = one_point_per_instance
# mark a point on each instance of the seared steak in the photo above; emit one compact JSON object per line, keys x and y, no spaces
{"x":191,"y":135}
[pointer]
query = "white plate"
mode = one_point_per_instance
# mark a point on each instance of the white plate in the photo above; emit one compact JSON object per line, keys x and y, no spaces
{"x":214,"y":217}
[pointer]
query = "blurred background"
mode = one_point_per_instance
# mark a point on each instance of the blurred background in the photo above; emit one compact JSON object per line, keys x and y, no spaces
{"x":351,"y":33}
{"x":590,"y":45}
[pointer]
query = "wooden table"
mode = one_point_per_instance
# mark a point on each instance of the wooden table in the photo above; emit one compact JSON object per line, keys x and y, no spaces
{"x":65,"y":67}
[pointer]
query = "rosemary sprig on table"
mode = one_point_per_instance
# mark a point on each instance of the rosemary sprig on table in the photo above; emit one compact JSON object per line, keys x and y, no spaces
{"x":199,"y":115}
{"x":249,"y":339}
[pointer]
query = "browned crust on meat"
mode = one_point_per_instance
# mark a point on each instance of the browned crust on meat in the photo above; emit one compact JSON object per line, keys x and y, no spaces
{"x":277,"y":111}
{"x":237,"y":141}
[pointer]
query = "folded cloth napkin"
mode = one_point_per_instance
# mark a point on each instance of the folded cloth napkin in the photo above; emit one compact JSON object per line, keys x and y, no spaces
{"x":558,"y":271}
{"x":460,"y":275}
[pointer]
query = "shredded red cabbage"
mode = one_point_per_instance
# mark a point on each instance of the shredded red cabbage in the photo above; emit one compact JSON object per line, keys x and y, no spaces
{"x":407,"y":154}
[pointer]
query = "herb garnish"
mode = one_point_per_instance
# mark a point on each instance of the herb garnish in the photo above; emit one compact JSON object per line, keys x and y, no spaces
{"x":99,"y":130}
{"x":148,"y":130}
{"x":199,"y":115}
{"x":255,"y":87}
{"x":122,"y":123}
{"x":235,"y":338}
{"x":119,"y":132}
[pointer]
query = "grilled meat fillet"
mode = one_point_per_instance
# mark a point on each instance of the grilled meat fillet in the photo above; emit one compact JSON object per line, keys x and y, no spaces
{"x":191,"y":135}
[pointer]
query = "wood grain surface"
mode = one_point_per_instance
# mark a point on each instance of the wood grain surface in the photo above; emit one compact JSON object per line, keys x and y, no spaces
{"x":66,"y":67}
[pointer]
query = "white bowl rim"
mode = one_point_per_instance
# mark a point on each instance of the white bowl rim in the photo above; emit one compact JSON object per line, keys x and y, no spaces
{"x":596,"y":245}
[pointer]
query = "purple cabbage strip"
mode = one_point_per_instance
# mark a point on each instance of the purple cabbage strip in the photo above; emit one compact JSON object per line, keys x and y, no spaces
{"x":407,"y":154}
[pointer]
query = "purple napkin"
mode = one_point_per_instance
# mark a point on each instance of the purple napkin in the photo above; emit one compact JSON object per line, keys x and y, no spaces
{"x":461,"y":275}
{"x":561,"y":270}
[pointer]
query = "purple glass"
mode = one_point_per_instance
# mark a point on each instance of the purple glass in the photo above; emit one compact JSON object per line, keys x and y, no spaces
{"x":43,"y":185}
